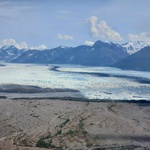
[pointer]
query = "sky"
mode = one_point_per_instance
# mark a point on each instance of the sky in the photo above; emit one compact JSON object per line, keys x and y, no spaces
{"x":45,"y":24}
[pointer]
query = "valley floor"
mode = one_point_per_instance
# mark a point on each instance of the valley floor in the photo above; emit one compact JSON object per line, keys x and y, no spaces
{"x":57,"y":124}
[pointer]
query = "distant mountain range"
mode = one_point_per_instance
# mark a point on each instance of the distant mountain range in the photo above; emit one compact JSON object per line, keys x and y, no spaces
{"x":9,"y":53}
{"x":41,"y":57}
{"x":100,"y":54}
{"x":133,"y":47}
{"x":137,"y":61}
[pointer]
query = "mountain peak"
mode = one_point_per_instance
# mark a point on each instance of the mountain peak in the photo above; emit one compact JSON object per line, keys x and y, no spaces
{"x":137,"y":61}
{"x":101,"y":43}
{"x":98,"y":43}
{"x":7,"y":53}
{"x":133,"y":47}
{"x":12,"y":47}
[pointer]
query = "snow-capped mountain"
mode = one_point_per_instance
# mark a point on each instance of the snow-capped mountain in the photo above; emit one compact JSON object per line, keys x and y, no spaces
{"x":7,"y":53}
{"x":133,"y":47}
{"x":41,"y":57}
{"x":100,"y":54}
{"x":137,"y":61}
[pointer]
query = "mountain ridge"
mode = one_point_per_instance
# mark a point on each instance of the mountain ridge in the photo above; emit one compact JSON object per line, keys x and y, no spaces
{"x":100,"y":54}
{"x":133,"y":47}
{"x":138,"y":61}
{"x":9,"y":53}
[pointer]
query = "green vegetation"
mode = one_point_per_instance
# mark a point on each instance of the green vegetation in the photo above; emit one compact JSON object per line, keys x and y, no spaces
{"x":84,"y":132}
{"x":43,"y":143}
{"x":59,"y":132}
{"x":71,"y":132}
{"x":67,"y":120}
{"x":78,"y":130}
{"x":25,"y":142}
{"x":64,"y":123}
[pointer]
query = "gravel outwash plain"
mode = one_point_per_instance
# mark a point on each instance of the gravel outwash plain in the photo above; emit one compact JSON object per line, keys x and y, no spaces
{"x":57,"y":124}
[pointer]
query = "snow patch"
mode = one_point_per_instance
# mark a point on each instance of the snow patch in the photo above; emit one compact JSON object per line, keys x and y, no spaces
{"x":133,"y":47}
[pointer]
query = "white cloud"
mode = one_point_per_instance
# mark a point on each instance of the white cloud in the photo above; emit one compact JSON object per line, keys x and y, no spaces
{"x":65,"y":37}
{"x":144,"y":36}
{"x":9,"y":42}
{"x":102,"y":31}
{"x":90,"y":43}
{"x":22,"y":45}
{"x":40,"y":47}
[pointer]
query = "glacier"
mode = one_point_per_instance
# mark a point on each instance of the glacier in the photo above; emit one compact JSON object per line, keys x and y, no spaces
{"x":119,"y":85}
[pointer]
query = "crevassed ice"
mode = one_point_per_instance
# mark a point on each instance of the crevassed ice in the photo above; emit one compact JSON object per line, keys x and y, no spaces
{"x":90,"y":86}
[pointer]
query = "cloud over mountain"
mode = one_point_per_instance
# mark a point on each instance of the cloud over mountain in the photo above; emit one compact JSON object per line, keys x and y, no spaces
{"x":9,"y":42}
{"x":22,"y":45}
{"x":144,"y":36}
{"x":40,"y":47}
{"x":102,"y":30}
{"x":65,"y":37}
{"x":90,"y":43}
